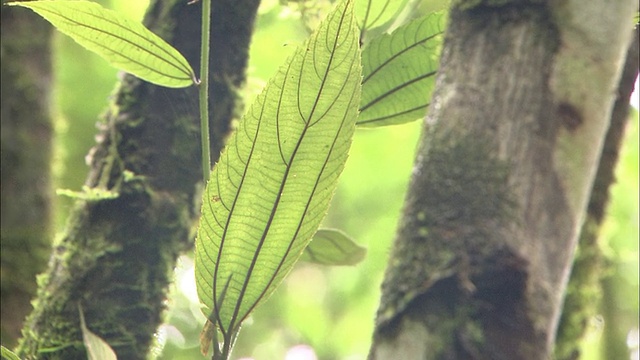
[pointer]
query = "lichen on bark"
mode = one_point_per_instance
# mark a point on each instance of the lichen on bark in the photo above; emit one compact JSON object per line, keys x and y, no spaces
{"x":459,"y":187}
{"x":499,"y":86}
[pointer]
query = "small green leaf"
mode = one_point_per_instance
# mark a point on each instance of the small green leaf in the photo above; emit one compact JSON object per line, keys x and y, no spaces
{"x":272,"y":185}
{"x":333,"y":247}
{"x":8,"y":354}
{"x":124,"y":43}
{"x":399,"y":72}
{"x":89,"y":194}
{"x":97,"y":349}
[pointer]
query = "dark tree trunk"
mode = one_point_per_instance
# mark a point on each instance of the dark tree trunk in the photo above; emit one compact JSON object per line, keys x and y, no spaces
{"x":116,"y":256}
{"x":502,"y":179}
{"x":26,"y":152}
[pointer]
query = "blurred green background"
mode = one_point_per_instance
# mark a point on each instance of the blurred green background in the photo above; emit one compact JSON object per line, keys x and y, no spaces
{"x":318,"y":313}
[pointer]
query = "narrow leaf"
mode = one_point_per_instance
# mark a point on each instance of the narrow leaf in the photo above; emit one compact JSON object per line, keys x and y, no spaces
{"x":207,"y":336}
{"x":97,"y":349}
{"x":333,"y":247}
{"x":8,"y":354}
{"x":399,"y":72}
{"x":124,"y":43}
{"x":272,"y":185}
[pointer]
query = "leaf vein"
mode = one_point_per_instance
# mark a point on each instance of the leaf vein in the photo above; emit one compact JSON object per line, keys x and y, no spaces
{"x":396,"y":89}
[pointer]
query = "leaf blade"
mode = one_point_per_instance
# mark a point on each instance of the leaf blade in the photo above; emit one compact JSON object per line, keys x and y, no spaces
{"x":97,"y":348}
{"x":377,"y":13}
{"x":273,"y":182}
{"x":333,"y":247}
{"x":8,"y":354}
{"x":124,"y":43}
{"x":399,"y":72}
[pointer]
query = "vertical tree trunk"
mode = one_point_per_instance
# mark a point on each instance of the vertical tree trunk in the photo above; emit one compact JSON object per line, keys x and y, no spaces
{"x":26,"y":152}
{"x":502,"y":179}
{"x":583,"y":292}
{"x":116,"y":256}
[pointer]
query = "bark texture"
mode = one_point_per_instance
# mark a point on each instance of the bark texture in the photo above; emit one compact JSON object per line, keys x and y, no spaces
{"x":117,"y":254}
{"x":583,"y":292}
{"x":26,"y":151}
{"x":501,"y":181}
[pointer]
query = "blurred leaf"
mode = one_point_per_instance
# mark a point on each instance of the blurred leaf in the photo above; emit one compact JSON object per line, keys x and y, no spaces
{"x":399,"y":72}
{"x":8,"y":354}
{"x":124,"y":43}
{"x":97,"y":349}
{"x":271,"y":188}
{"x":88,"y":194}
{"x":333,"y":247}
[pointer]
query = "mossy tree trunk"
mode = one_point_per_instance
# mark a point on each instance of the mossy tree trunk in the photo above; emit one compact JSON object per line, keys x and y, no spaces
{"x":26,"y":152}
{"x":116,"y":255}
{"x":502,"y":179}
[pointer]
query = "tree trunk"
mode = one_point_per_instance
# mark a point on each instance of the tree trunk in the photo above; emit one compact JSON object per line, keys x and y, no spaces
{"x":26,"y":152}
{"x":502,"y":178}
{"x":584,"y":288}
{"x":118,"y":251}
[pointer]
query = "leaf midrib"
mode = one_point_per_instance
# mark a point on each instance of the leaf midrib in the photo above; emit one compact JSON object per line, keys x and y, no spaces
{"x":125,"y":29}
{"x":397,"y":114}
{"x":395,"y":56}
{"x":274,"y":209}
{"x":395,"y":89}
{"x":304,"y":214}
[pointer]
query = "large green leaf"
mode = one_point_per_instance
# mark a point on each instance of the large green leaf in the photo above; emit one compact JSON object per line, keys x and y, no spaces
{"x":399,"y":72}
{"x":272,"y":185}
{"x":376,"y":13}
{"x":124,"y":43}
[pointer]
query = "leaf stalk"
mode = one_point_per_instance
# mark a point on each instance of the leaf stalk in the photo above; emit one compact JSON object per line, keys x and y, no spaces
{"x":204,"y":89}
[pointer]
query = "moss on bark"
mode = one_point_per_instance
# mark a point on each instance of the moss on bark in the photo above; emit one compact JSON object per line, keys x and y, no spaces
{"x":500,"y":186}
{"x":116,"y":255}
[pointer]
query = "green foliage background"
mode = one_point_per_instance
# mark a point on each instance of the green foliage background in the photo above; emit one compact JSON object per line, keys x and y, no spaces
{"x":329,"y":309}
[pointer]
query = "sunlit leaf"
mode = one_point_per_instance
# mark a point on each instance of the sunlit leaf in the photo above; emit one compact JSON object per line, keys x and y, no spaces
{"x":399,"y":72}
{"x":376,"y":13}
{"x":272,"y":185}
{"x":97,"y":349}
{"x":333,"y":247}
{"x":8,"y":354}
{"x":124,"y":43}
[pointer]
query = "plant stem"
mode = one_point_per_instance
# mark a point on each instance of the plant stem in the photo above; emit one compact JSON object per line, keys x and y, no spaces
{"x":204,"y":89}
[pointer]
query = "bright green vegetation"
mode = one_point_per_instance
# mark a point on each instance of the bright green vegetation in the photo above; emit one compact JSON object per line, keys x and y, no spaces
{"x":399,"y":72}
{"x":125,"y":44}
{"x":272,"y":187}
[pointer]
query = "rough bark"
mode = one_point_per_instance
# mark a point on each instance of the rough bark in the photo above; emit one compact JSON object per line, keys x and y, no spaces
{"x":26,"y":151}
{"x":116,"y":256}
{"x":502,"y":178}
{"x":583,"y":292}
